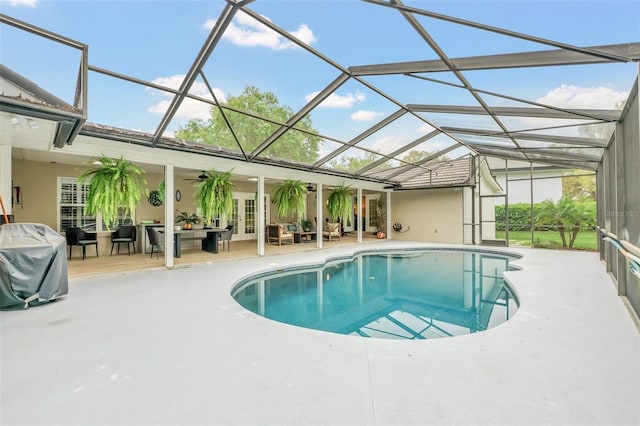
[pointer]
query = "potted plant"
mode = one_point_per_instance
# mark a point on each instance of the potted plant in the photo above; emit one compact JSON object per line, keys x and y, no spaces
{"x":339,"y":203}
{"x":290,"y":197}
{"x":189,"y":219}
{"x":306,"y":225}
{"x":214,"y":195}
{"x":114,"y":184}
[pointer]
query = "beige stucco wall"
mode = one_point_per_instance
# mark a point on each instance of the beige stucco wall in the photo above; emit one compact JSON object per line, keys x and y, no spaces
{"x":430,"y":215}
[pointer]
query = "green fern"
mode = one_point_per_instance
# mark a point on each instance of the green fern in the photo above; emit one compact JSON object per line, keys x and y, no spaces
{"x":113,"y":184}
{"x":290,"y":197}
{"x":214,"y":195}
{"x":339,"y":203}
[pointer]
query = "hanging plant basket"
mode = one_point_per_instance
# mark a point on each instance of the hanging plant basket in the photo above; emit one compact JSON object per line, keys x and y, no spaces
{"x":339,"y":203}
{"x":214,"y":195}
{"x":113,"y":184}
{"x":155,"y":198}
{"x":290,"y":197}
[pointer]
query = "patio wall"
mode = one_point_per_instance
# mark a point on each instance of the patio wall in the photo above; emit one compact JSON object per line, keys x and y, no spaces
{"x":433,"y":215}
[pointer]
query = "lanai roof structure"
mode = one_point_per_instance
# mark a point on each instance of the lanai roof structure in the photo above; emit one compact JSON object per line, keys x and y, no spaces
{"x":382,"y":99}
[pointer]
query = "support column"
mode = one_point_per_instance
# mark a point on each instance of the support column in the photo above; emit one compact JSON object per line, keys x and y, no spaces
{"x":388,"y":219}
{"x":260,"y":220}
{"x":320,"y":219}
{"x":5,"y":177}
{"x":620,"y":205}
{"x":531,"y":218}
{"x":359,"y":210}
{"x":169,"y":194}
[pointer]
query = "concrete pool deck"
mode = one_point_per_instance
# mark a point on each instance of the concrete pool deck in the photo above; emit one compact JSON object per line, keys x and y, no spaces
{"x":173,"y":347}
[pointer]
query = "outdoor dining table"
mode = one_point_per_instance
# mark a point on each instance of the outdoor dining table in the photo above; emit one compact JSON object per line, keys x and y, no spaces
{"x":209,"y":243}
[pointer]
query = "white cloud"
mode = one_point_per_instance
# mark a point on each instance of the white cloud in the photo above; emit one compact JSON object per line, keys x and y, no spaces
{"x":570,"y":96}
{"x":30,"y":3}
{"x":338,"y":101}
{"x":190,"y":108}
{"x":388,"y":144}
{"x":365,"y":115}
{"x":246,"y":31}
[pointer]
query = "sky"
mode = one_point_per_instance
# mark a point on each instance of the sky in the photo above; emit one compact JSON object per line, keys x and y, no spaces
{"x":157,"y":41}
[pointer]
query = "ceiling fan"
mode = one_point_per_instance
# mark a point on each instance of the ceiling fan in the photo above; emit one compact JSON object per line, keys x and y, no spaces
{"x":200,"y":178}
{"x":310,"y":188}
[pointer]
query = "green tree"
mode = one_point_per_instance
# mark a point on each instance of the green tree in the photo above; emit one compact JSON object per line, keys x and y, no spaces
{"x":578,"y":217}
{"x":414,"y":156}
{"x":565,"y":215}
{"x":579,"y":187}
{"x":352,"y":164}
{"x":251,"y":132}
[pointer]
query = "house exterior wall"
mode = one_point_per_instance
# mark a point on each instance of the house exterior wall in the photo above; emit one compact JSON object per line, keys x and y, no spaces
{"x":520,"y":190}
{"x":430,"y":215}
{"x":38,"y":181}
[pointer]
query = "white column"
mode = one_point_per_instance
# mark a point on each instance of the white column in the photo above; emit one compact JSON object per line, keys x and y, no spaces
{"x":388,"y":219}
{"x":261,"y":216}
{"x":320,"y":219}
{"x":359,"y":209}
{"x":169,"y":195}
{"x":5,"y":177}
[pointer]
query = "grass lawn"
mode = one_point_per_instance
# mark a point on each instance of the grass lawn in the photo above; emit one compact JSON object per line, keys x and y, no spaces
{"x":550,"y":239}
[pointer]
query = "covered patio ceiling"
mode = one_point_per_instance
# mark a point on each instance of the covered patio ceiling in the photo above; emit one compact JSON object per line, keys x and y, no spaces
{"x":401,"y":101}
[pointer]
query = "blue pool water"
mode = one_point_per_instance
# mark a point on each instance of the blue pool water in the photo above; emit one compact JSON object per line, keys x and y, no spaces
{"x":409,"y":294}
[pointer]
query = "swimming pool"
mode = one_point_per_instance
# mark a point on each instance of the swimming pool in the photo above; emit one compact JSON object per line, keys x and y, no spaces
{"x":405,"y":294}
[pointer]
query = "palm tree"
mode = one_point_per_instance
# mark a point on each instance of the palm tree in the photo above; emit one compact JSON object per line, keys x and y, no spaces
{"x":565,"y":215}
{"x":578,"y":217}
{"x":555,"y":214}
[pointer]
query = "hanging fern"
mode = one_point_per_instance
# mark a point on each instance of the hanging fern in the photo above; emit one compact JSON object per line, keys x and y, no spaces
{"x":214,"y":195}
{"x":113,"y":184}
{"x":339,"y":203}
{"x":290,"y":198}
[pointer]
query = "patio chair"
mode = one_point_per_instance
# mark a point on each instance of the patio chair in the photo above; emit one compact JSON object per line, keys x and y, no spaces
{"x":278,"y":233}
{"x":124,"y":234}
{"x":226,"y":236}
{"x":331,"y":230}
{"x":77,"y":237}
{"x":154,"y":240}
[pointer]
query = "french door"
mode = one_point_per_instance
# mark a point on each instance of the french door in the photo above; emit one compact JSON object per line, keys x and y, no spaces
{"x":371,"y":213}
{"x":245,"y":214}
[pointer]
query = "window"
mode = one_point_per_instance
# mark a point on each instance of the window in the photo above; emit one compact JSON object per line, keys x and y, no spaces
{"x":71,"y":201}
